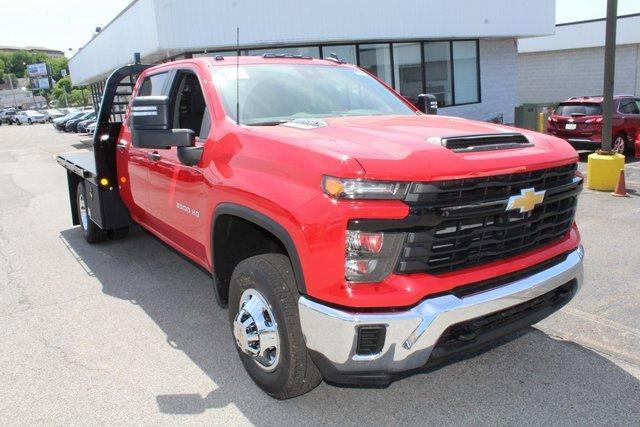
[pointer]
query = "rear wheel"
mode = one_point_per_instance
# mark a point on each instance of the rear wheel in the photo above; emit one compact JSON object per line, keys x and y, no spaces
{"x":264,"y":318}
{"x":92,"y":233}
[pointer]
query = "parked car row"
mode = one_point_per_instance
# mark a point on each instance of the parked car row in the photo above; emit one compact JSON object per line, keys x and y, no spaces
{"x":10,"y":116}
{"x":76,"y":121}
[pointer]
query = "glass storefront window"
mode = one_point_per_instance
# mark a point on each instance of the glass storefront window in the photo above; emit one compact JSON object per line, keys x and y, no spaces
{"x":407,"y":67}
{"x":312,"y":51}
{"x":465,"y":71}
{"x":437,"y":67}
{"x":450,"y":70}
{"x":376,"y":59}
{"x":346,"y":52}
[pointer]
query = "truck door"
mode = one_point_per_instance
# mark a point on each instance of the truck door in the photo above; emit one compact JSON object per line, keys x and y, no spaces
{"x":177,"y":193}
{"x":133,"y":162}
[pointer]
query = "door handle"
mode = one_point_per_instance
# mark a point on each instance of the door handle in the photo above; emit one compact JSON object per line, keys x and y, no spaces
{"x":154,"y":156}
{"x":121,"y":145}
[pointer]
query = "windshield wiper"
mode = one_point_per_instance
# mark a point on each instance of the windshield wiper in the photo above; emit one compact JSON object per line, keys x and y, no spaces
{"x":268,"y":123}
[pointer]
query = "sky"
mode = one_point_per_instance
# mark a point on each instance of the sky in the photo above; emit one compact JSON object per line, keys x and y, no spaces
{"x":65,"y":24}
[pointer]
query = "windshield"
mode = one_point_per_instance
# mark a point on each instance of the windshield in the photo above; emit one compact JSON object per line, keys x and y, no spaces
{"x":579,"y":109}
{"x":271,"y":94}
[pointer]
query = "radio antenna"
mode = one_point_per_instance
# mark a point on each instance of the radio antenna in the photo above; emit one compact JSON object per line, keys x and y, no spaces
{"x":237,"y":75}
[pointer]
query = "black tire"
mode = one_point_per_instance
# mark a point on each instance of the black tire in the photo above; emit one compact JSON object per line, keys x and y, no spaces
{"x":30,"y":121}
{"x":119,"y":233}
{"x":272,"y":276}
{"x":92,"y":233}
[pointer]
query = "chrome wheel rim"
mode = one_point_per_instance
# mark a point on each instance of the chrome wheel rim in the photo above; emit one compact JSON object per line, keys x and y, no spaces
{"x":256,"y":330}
{"x":618,"y":145}
{"x":82,"y":207}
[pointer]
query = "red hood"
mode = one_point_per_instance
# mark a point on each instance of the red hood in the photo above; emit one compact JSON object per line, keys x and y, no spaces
{"x":396,"y":147}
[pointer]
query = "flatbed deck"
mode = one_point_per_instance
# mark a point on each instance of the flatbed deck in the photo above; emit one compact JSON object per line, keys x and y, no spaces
{"x":81,"y":163}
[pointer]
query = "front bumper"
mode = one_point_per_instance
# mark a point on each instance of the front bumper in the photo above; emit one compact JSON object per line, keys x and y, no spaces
{"x":412,"y":336}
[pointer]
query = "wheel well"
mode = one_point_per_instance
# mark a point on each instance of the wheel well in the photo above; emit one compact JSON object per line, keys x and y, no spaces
{"x":236,"y":239}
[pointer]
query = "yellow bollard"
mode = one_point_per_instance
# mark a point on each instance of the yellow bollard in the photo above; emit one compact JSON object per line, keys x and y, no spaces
{"x":541,"y":122}
{"x":603,"y":171}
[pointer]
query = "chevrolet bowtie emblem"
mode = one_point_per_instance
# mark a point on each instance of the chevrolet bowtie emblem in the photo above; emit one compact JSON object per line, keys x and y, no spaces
{"x":526,"y":201}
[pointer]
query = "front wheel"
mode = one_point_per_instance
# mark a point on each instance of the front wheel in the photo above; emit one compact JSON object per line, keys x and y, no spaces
{"x":30,"y":122}
{"x":264,"y":318}
{"x":92,"y":233}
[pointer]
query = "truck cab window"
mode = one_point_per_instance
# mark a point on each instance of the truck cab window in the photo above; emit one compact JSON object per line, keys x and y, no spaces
{"x":153,"y":85}
{"x":190,"y":110}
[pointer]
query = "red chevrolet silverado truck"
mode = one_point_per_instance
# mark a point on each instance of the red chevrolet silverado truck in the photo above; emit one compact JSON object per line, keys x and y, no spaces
{"x":351,"y":236}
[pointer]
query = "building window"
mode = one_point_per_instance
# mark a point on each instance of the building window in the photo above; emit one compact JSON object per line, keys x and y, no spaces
{"x":450,"y":70}
{"x":407,"y":70}
{"x":312,"y":51}
{"x":437,"y":67}
{"x":376,"y":59}
{"x":346,"y":52}
{"x":465,"y":72}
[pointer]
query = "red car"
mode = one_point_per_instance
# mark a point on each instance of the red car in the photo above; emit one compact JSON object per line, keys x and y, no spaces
{"x":579,"y":121}
{"x":350,"y":236}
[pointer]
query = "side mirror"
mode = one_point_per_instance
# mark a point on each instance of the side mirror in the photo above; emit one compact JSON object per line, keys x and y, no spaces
{"x":151,"y":126}
{"x":428,"y":103}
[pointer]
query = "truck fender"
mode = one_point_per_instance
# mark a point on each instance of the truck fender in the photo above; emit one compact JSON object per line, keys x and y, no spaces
{"x":266,"y":223}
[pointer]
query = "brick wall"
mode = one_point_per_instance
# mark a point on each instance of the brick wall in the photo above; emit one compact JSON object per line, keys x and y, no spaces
{"x":498,"y":82}
{"x":557,"y":75}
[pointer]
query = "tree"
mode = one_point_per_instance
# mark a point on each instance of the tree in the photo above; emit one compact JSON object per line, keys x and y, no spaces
{"x":80,"y":97}
{"x":60,"y":88}
{"x":57,"y":65}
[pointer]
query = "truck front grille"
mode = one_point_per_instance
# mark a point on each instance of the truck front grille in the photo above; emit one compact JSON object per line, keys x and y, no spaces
{"x":462,"y":223}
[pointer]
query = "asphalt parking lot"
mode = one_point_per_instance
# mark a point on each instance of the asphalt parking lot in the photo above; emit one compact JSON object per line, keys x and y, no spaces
{"x":128,"y":331}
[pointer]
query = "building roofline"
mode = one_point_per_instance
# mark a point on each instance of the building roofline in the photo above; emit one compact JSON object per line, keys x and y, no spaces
{"x":587,"y":21}
{"x":106,"y":26}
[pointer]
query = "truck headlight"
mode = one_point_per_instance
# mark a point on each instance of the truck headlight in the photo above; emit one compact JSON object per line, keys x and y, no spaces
{"x":340,"y":188}
{"x":370,"y":256}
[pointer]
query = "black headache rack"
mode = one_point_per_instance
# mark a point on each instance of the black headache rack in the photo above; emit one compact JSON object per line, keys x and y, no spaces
{"x":98,"y":168}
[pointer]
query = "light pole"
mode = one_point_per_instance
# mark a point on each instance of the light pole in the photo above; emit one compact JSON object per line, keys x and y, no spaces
{"x":15,"y":104}
{"x":609,"y":71}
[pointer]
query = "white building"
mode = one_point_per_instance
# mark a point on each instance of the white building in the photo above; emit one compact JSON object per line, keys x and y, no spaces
{"x":22,"y":98}
{"x":571,"y":62}
{"x":463,"y":51}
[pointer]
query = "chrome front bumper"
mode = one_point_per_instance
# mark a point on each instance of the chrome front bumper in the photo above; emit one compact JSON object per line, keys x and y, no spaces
{"x":412,"y":334}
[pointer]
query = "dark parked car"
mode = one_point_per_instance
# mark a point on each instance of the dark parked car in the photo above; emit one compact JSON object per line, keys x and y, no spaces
{"x":60,"y":123}
{"x":72,"y":125}
{"x":579,"y":121}
{"x":82,"y":126}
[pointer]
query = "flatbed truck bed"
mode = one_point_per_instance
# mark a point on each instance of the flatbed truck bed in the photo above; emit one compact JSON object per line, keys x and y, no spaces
{"x":80,"y":163}
{"x":97,"y":168}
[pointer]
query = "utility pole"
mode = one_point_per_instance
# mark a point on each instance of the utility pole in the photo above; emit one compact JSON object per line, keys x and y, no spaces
{"x":15,"y":104}
{"x":609,"y":71}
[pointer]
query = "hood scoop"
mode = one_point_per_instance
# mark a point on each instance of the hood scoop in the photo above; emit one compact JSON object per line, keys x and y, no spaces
{"x":485,"y":142}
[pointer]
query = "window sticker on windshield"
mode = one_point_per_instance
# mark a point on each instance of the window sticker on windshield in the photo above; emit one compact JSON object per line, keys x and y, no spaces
{"x":230,"y":73}
{"x":306,"y":124}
